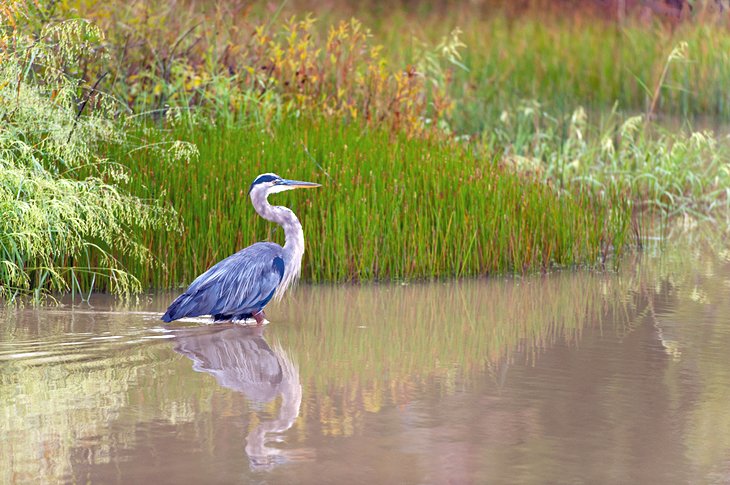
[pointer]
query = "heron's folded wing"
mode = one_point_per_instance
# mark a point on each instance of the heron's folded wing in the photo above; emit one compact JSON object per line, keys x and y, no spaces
{"x":247,"y":280}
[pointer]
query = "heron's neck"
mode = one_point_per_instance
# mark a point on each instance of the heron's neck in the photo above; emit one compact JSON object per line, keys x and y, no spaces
{"x":293,"y":234}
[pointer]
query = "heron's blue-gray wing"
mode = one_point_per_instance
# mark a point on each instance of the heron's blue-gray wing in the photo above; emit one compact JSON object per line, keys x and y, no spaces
{"x":249,"y":279}
{"x":238,"y":285}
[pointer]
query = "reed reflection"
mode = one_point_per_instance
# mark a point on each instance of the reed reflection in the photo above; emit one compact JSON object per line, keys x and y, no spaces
{"x":240,"y":359}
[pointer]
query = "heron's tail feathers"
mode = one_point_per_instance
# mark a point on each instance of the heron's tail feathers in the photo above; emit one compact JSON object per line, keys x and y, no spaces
{"x":183,"y":306}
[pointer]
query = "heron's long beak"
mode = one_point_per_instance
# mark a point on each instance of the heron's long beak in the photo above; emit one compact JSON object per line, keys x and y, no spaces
{"x":298,"y":184}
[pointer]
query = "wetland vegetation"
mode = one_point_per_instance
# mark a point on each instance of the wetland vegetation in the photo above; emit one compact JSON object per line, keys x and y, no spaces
{"x":464,"y":143}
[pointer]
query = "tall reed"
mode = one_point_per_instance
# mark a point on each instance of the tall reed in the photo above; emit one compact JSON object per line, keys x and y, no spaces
{"x":390,"y":206}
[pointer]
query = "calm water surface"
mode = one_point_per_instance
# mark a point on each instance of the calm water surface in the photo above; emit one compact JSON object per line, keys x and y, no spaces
{"x":572,"y":377}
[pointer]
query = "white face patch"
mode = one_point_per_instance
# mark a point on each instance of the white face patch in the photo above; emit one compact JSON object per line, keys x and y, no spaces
{"x":275,"y":189}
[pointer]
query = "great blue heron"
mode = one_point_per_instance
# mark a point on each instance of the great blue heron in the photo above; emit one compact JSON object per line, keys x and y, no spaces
{"x":240,"y":286}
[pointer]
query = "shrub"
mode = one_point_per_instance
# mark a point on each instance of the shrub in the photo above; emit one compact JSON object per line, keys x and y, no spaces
{"x":64,"y":218}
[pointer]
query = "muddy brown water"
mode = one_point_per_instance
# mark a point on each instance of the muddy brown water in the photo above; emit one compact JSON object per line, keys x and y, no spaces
{"x":571,"y":377}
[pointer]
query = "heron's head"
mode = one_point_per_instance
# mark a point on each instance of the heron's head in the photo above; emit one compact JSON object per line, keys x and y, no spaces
{"x":270,"y":183}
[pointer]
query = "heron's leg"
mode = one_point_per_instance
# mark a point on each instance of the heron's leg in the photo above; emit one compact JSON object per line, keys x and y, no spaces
{"x":260,"y":317}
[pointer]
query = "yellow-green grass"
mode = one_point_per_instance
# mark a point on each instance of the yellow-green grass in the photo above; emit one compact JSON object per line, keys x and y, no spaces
{"x":390,"y":207}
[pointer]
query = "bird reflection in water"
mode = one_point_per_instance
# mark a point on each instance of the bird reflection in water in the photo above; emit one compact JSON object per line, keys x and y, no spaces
{"x":240,"y":359}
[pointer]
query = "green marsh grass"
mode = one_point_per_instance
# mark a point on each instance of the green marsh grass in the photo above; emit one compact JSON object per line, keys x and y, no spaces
{"x":598,"y":65}
{"x":391,"y":207}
